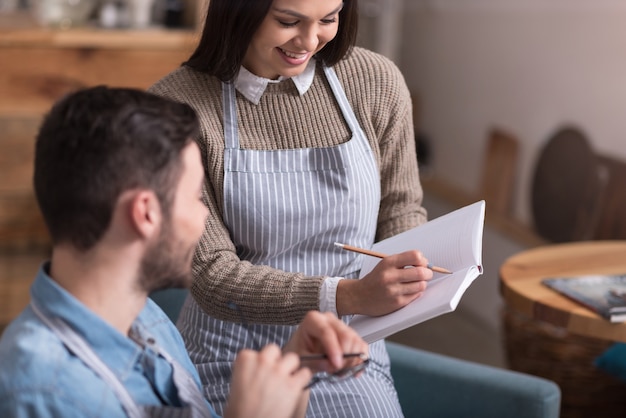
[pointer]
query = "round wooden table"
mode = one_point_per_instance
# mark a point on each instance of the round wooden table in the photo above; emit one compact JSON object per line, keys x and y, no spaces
{"x":549,"y":335}
{"x":521,"y":287}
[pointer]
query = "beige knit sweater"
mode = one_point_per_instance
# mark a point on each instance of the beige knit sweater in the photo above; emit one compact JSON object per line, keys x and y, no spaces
{"x":380,"y":99}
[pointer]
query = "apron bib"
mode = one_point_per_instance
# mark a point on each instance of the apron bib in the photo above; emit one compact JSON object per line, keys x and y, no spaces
{"x":285,"y":209}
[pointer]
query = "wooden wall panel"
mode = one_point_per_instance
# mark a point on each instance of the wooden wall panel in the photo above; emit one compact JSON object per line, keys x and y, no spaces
{"x":21,"y":224}
{"x":17,"y":142}
{"x":32,"y":79}
{"x":37,"y":67}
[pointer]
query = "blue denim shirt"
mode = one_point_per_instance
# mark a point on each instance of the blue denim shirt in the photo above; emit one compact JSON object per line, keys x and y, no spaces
{"x":40,"y":377}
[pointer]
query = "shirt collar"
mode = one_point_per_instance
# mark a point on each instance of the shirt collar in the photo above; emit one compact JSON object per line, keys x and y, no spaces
{"x":115,"y":349}
{"x":252,"y":86}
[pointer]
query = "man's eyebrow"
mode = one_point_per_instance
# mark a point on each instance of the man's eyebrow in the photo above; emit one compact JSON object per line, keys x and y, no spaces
{"x":302,"y":17}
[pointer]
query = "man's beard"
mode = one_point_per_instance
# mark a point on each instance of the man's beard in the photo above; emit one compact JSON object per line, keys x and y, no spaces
{"x":166,"y":264}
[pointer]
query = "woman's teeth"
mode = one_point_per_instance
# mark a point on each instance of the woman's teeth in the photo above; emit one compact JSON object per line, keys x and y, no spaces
{"x":293,"y":55}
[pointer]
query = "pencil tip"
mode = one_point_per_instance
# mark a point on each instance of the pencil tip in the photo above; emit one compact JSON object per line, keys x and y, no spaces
{"x":338,"y":244}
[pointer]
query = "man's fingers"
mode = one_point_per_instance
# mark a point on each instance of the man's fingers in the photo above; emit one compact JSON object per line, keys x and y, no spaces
{"x":338,"y":339}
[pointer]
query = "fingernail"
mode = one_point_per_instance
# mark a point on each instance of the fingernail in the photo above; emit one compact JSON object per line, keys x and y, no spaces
{"x":337,"y":360}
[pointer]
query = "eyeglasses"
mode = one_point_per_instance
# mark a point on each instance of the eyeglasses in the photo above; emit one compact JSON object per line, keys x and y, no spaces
{"x":335,"y":377}
{"x":341,"y":374}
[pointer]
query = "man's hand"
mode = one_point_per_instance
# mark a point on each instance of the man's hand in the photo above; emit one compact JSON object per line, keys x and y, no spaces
{"x":270,"y":383}
{"x":266,"y":384}
{"x":324,"y":334}
{"x":390,"y":286}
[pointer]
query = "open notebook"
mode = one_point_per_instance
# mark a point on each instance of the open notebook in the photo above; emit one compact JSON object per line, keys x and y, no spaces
{"x":453,"y":241}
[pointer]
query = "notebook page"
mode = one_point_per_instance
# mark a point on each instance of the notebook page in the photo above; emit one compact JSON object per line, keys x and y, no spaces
{"x":452,"y":241}
{"x":441,"y":296}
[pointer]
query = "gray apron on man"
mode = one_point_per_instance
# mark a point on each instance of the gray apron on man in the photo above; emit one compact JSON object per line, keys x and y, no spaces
{"x":285,"y":209}
{"x":187,"y":389}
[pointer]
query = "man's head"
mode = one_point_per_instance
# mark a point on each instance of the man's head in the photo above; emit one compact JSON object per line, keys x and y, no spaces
{"x":99,"y":144}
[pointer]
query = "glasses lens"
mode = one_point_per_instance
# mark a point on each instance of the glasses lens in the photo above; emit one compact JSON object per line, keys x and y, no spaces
{"x":339,"y":375}
{"x":346,"y":372}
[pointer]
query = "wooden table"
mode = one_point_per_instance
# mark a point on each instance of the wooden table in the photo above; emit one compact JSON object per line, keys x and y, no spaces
{"x":522,"y":290}
{"x":551,"y":336}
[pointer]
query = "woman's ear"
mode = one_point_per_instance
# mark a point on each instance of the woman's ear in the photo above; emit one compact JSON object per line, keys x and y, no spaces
{"x":146,"y":213}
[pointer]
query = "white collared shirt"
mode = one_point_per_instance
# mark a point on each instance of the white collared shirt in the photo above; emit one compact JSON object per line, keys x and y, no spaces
{"x":252,"y":86}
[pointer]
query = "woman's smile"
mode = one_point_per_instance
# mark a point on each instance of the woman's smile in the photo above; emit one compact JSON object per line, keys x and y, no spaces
{"x":290,"y":34}
{"x":295,"y":58}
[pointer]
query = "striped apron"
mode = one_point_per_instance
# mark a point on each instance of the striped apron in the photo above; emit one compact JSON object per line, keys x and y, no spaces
{"x":187,"y":390}
{"x":285,"y":209}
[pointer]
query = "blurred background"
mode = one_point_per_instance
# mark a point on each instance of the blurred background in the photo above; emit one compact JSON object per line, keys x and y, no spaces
{"x":494,"y":82}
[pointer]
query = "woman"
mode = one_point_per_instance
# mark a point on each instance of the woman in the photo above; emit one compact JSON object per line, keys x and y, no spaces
{"x":306,"y":141}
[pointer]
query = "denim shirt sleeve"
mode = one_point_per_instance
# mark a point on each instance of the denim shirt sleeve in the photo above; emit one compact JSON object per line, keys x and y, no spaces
{"x":44,"y":402}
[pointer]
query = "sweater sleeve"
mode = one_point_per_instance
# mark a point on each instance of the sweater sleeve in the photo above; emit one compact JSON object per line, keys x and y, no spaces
{"x":401,"y":190}
{"x":263,"y":294}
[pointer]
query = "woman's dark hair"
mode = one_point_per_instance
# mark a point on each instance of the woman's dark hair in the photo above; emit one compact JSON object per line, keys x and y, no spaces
{"x":95,"y":144}
{"x":230,"y":25}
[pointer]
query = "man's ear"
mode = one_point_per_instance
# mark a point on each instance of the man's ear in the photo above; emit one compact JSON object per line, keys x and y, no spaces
{"x":146,"y":214}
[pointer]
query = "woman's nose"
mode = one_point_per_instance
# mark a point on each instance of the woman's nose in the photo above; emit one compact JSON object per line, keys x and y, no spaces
{"x":308,"y":38}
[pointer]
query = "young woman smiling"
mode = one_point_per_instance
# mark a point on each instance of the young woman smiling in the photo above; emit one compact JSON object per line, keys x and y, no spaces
{"x":306,"y":140}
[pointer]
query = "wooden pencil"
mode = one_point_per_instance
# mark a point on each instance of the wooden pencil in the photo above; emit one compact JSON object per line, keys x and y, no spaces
{"x":381,"y":255}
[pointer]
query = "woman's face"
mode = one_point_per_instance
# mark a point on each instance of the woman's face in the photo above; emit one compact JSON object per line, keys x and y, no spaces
{"x":291,"y":33}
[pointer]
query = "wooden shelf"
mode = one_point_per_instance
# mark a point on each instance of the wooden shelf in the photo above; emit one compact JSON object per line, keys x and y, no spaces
{"x":152,"y":38}
{"x":19,"y":30}
{"x":40,"y":65}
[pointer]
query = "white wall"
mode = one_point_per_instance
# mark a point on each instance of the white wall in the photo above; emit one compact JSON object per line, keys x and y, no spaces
{"x":527,"y":66}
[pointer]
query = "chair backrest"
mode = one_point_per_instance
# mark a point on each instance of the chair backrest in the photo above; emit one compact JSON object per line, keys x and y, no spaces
{"x":612,"y":218}
{"x":567,"y":188}
{"x":171,"y":301}
{"x":499,"y":168}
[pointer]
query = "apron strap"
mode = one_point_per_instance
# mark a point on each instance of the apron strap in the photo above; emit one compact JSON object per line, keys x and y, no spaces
{"x":231,"y":135}
{"x":344,"y":104}
{"x":81,"y":349}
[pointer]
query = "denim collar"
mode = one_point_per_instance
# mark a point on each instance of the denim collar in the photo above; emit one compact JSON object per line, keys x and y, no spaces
{"x":116,"y":350}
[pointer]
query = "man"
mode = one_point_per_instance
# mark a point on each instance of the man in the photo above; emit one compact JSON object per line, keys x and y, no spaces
{"x":119,"y":180}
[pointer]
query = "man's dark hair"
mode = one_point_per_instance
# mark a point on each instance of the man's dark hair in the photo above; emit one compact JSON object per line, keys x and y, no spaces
{"x":95,"y":144}
{"x":230,"y":25}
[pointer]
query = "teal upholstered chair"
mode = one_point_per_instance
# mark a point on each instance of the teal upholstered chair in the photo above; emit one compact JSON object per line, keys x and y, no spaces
{"x":171,"y":301}
{"x":433,"y":385}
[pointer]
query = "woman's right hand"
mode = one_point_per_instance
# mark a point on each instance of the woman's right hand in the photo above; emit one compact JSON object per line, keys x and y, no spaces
{"x":396,"y":281}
